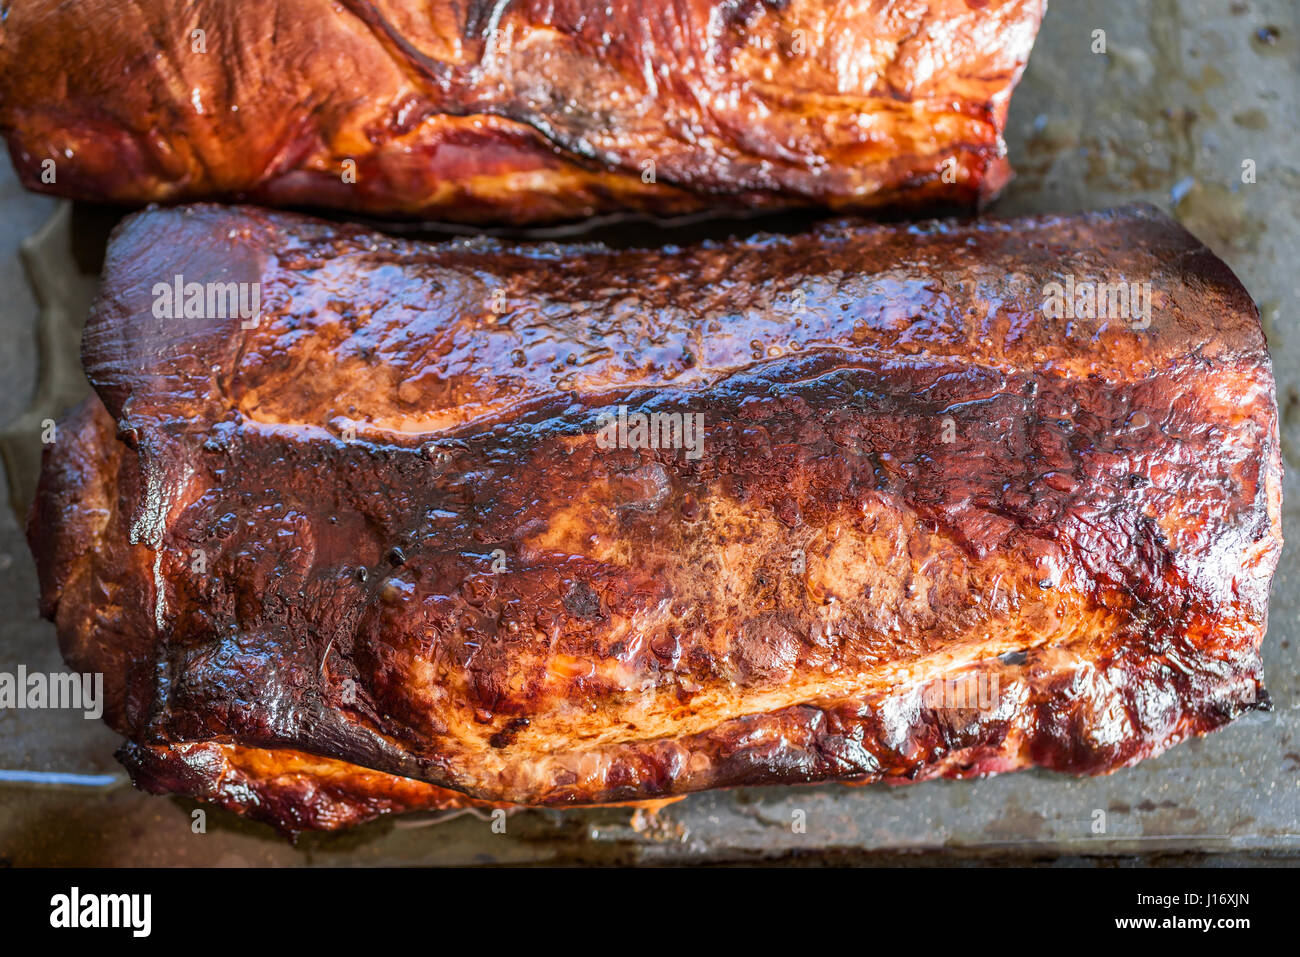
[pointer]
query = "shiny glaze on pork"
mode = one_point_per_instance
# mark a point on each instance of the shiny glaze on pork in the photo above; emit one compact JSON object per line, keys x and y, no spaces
{"x":371,"y":550}
{"x":522,"y":112}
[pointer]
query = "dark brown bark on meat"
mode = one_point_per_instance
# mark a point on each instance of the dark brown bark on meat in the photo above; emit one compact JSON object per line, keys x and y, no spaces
{"x":380,"y":527}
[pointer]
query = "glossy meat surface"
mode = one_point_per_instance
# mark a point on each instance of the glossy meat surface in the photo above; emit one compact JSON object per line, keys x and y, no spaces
{"x":523,"y":112}
{"x":929,"y":532}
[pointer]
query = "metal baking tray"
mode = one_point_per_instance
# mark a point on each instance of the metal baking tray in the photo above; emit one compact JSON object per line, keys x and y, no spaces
{"x":1184,"y":95}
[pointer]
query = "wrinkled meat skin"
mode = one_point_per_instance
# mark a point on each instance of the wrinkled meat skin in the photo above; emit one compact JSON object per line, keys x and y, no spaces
{"x":287,"y":789}
{"x":1096,"y":542}
{"x":552,"y":117}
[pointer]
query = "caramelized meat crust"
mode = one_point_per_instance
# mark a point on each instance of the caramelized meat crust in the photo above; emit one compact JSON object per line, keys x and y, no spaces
{"x":526,"y":112}
{"x":928,"y":530}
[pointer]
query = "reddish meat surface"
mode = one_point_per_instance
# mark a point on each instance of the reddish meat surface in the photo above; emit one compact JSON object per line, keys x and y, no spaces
{"x":374,"y":549}
{"x":522,"y":112}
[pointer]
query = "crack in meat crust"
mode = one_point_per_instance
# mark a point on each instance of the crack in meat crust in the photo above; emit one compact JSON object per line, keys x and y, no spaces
{"x":538,"y":112}
{"x":379,"y":527}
